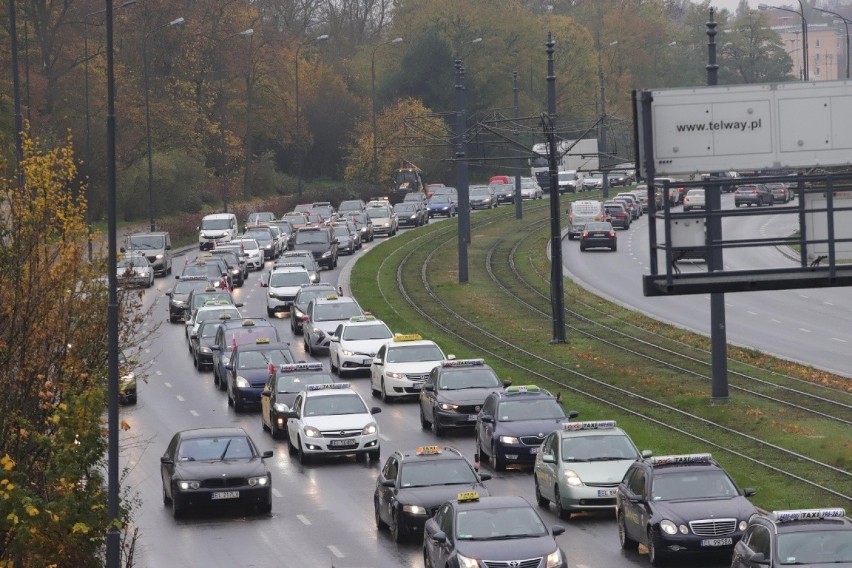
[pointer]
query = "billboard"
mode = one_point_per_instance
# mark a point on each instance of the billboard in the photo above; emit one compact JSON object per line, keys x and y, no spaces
{"x":769,"y":126}
{"x":816,"y":224}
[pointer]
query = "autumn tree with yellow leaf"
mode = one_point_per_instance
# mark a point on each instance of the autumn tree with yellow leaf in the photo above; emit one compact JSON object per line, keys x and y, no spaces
{"x":53,"y":354}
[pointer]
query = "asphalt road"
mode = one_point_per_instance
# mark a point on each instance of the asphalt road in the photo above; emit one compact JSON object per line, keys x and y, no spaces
{"x":810,"y":326}
{"x":322,"y":513}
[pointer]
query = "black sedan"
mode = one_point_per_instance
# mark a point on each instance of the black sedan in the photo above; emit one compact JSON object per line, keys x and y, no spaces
{"x":215,"y":466}
{"x":598,"y":234}
{"x":505,"y":531}
{"x":249,"y":368}
{"x":412,"y":485}
{"x":201,"y":343}
{"x":281,"y":389}
{"x":179,"y":296}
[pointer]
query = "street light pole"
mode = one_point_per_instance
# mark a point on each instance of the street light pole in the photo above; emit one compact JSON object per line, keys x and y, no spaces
{"x":846,"y":24}
{"x":175,"y":22}
{"x":801,"y":14}
{"x":299,"y":114}
{"x":16,"y":93}
{"x":373,"y":106}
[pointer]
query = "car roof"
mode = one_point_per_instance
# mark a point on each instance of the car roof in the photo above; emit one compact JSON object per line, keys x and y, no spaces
{"x":494,"y":502}
{"x":429,"y":453}
{"x":590,"y":428}
{"x":240,"y":322}
{"x":679,"y":462}
{"x":337,"y":299}
{"x":288,"y":269}
{"x":365,"y":322}
{"x":263,"y":346}
{"x":339,"y":388}
{"x":399,"y":344}
{"x":212,"y":433}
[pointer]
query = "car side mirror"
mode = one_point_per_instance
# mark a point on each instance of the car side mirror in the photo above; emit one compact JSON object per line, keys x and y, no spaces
{"x":266,"y":392}
{"x":749,"y":491}
{"x":177,"y":276}
{"x":388,"y":483}
{"x":290,"y":414}
{"x":758,"y":558}
{"x":335,"y":339}
{"x":166,"y":460}
{"x":377,"y":361}
{"x":484,"y":476}
{"x":430,"y":387}
{"x":238,"y":305}
{"x":168,"y":247}
{"x":557,"y":530}
{"x":573,"y":414}
{"x":169,"y":294}
{"x":375,"y":410}
{"x":440,"y":537}
{"x":266,"y":454}
{"x":451,"y":357}
{"x":547,"y":458}
{"x":507,"y":383}
{"x":229,"y":367}
{"x":647,"y":454}
{"x":487,"y":418}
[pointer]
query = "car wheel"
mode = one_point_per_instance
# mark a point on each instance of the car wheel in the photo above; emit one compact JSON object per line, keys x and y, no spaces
{"x":614,"y":247}
{"x":384,"y":395}
{"x":238,"y":405}
{"x":265,"y":508}
{"x":479,"y":449}
{"x":424,"y":424}
{"x":166,"y":499}
{"x":397,"y":531}
{"x":304,"y":458}
{"x":557,"y":502}
{"x":737,"y":204}
{"x":308,"y":346}
{"x":655,"y":555}
{"x":497,"y":463}
{"x":270,"y":312}
{"x":223,"y":384}
{"x":541,"y":500}
{"x":380,"y":524}
{"x":582,"y":248}
{"x":291,"y":449}
{"x":375,"y":455}
{"x":439,"y":430}
{"x":626,"y":542}
{"x":334,"y":368}
{"x":177,"y":508}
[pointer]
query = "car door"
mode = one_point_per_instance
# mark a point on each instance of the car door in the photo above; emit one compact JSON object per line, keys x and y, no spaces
{"x":756,"y":539}
{"x":377,"y":367}
{"x":635,"y":514}
{"x":430,"y":545}
{"x":334,"y":346}
{"x":429,"y":395}
{"x":295,"y":424}
{"x":546,"y":473}
{"x":445,"y":549}
{"x":168,"y":470}
{"x":386,"y":494}
{"x":486,"y":429}
{"x":267,"y":400}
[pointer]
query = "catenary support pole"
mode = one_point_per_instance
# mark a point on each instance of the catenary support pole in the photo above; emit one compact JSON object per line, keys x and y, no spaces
{"x":556,"y":283}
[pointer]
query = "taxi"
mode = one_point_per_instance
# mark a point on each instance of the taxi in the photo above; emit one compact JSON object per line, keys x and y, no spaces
{"x":680,"y":504}
{"x":248,"y":369}
{"x":402,"y":365}
{"x":322,"y":317}
{"x":212,"y":310}
{"x":234,"y":332}
{"x":579,"y":466}
{"x":354,"y":344}
{"x":514,"y":422}
{"x":282,"y":386}
{"x":412,"y":485}
{"x":801,"y":537}
{"x":454,"y":393}
{"x":331,"y":419}
{"x":474,"y":530}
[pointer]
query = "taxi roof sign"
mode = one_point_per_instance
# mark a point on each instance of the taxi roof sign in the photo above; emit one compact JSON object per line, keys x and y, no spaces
{"x":292,"y":367}
{"x":463,"y":363}
{"x":328,"y":386}
{"x":224,"y":316}
{"x":590,"y":425}
{"x":359,"y":319}
{"x":467,"y":496}
{"x":680,"y":459}
{"x":248,"y":323}
{"x":261,"y":340}
{"x":522,"y":389}
{"x":808,"y":515}
{"x":428,"y":450}
{"x":331,"y":297}
{"x":400,"y":337}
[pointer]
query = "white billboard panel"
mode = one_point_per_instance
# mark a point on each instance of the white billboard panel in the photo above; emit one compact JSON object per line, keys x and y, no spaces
{"x":816,"y":224}
{"x":785,"y":125}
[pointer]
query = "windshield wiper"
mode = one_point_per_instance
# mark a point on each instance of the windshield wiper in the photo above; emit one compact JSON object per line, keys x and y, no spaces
{"x":606,"y":458}
{"x":225,"y":451}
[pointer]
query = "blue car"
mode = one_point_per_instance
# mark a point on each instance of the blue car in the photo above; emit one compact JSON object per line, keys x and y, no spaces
{"x":249,"y":369}
{"x":442,"y":205}
{"x":514,"y":422}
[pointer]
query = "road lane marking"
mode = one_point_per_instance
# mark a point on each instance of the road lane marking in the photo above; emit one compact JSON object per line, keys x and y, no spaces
{"x":194,"y":413}
{"x":168,"y":384}
{"x":334,"y":551}
{"x":827,"y":303}
{"x":179,"y":397}
{"x":775,"y":321}
{"x":805,"y":330}
{"x":838,"y":339}
{"x":384,"y":438}
{"x":159,"y":373}
{"x":803,"y":296}
{"x":276,"y":493}
{"x":751,"y":313}
{"x":304,"y":520}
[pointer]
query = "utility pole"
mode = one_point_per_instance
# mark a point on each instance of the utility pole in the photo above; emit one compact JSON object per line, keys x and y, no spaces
{"x":556,"y":284}
{"x":516,"y":112}
{"x":461,"y":173}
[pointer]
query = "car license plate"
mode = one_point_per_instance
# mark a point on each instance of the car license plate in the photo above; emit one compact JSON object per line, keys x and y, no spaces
{"x":534,"y":450}
{"x":225,"y":495}
{"x":606,"y":492}
{"x":350,"y":442}
{"x":717,"y":542}
{"x":471,"y":417}
{"x":366,"y":361}
{"x":416,"y":386}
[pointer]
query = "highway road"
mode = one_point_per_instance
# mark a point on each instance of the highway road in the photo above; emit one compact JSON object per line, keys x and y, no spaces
{"x":322,"y":513}
{"x":810,"y":326}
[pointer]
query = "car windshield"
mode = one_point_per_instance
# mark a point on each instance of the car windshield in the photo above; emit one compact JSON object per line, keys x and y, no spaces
{"x":598,"y":448}
{"x":440,"y":199}
{"x":350,"y":206}
{"x":378,"y":212}
{"x":281,"y":279}
{"x":341,"y":231}
{"x":366,"y":332}
{"x":405,"y":208}
{"x":480,"y":193}
{"x":207,"y":315}
{"x":187,"y":286}
{"x":215,"y":224}
{"x":335,"y":311}
{"x":209,"y":329}
{"x":292,"y":383}
{"x":259,"y":217}
{"x":499,"y":524}
{"x":358,"y":217}
{"x":260,"y":236}
{"x":209,"y":270}
{"x":468,"y":379}
{"x":247,"y":335}
{"x":685,"y":485}
{"x":814,"y":547}
{"x":215,"y":449}
{"x":334,"y":404}
{"x":311,"y":237}
{"x":414,"y":354}
{"x":147,"y":242}
{"x":249,"y":244}
{"x":132,"y":262}
{"x":305,"y":295}
{"x":203,"y":298}
{"x":436,"y":472}
{"x":530,"y":409}
{"x":262,"y":359}
{"x":567,"y":177}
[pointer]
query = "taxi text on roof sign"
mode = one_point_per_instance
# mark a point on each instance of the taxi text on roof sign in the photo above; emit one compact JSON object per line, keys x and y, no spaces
{"x":463,"y":363}
{"x":468,"y":496}
{"x":328,"y":386}
{"x":291,"y":367}
{"x":407,"y":337}
{"x":522,"y":388}
{"x":428,"y":450}
{"x":592,"y":425}
{"x":287,"y":264}
{"x":808,"y":515}
{"x":357,"y":319}
{"x":261,"y":340}
{"x":683,"y":458}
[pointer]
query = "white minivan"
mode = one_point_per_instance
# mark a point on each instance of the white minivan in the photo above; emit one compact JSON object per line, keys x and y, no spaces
{"x":219,"y":227}
{"x":582,"y":212}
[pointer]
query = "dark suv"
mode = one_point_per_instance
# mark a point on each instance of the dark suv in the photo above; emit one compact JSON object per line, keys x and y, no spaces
{"x":321,"y":242}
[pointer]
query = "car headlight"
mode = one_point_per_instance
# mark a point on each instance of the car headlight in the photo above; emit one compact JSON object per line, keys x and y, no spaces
{"x":318,"y":332}
{"x":326,"y":254}
{"x":742,"y":526}
{"x":312,"y":432}
{"x":554,"y":559}
{"x":159,"y":257}
{"x":242,"y":383}
{"x":414,"y":509}
{"x":178,"y":303}
{"x":280,"y":407}
{"x":465,"y":562}
{"x":395,"y":375}
{"x":668,"y":527}
{"x":188,"y":485}
{"x":347,"y":353}
{"x":508,"y":440}
{"x":205,"y":350}
{"x":261,"y":481}
{"x":413,"y":217}
{"x":445,"y":406}
{"x":267,"y":247}
{"x":572,"y":479}
{"x":370,"y":428}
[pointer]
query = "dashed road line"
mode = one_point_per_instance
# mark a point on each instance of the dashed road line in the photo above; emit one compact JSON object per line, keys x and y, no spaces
{"x":179,"y":397}
{"x":805,"y":330}
{"x":168,"y":384}
{"x":194,"y":413}
{"x":335,"y":551}
{"x":304,"y":520}
{"x":158,"y":373}
{"x":838,"y":339}
{"x":775,"y":321}
{"x":751,"y":313}
{"x":277,"y":493}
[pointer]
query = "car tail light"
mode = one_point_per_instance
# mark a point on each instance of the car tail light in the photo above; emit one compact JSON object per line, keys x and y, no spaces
{"x":612,"y":234}
{"x":585,"y":234}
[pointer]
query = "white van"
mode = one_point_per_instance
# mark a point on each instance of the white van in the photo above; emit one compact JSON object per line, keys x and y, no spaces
{"x":582,"y":212}
{"x":219,"y":227}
